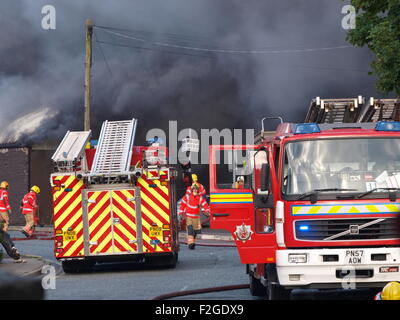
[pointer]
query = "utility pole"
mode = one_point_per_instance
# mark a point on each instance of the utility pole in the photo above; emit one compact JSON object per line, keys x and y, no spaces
{"x":88,"y":68}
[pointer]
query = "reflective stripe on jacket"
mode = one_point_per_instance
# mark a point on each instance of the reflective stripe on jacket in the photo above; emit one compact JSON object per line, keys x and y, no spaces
{"x":29,"y":203}
{"x":4,"y":204}
{"x":191,"y":205}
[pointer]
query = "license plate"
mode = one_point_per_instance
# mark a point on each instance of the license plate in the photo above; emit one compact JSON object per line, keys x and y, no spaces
{"x":355,"y":257}
{"x":69,"y":236}
{"x":155,"y":231}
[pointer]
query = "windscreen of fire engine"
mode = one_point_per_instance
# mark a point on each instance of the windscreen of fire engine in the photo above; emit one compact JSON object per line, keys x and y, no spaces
{"x":357,"y":164}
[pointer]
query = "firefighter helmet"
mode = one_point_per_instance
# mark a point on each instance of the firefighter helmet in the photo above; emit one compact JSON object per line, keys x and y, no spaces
{"x":4,"y":185}
{"x":195,"y":178}
{"x":391,"y":291}
{"x":35,"y":189}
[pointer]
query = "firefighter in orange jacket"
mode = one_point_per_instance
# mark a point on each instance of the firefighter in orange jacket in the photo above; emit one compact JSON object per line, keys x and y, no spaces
{"x":191,"y":206}
{"x":5,"y":208}
{"x":28,"y":209}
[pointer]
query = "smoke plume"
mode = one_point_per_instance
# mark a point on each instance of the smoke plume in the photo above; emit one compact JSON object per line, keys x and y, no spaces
{"x":200,"y":89}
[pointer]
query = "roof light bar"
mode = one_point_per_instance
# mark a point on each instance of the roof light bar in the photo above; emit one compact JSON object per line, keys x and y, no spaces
{"x":304,"y":128}
{"x":387,"y":126}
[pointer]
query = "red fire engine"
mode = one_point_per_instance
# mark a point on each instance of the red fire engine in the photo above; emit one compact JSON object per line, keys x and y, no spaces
{"x":320,"y":199}
{"x":115,"y":202}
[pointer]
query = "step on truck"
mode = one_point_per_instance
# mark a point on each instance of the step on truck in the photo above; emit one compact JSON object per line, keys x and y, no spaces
{"x":113,"y":201}
{"x":319,"y":207}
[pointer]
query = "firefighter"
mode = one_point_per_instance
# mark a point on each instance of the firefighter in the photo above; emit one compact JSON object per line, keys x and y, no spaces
{"x":239,"y":184}
{"x":195,"y":180}
{"x":8,"y":244}
{"x":191,"y":205}
{"x":29,"y":207}
{"x":5,"y":208}
{"x":390,"y":292}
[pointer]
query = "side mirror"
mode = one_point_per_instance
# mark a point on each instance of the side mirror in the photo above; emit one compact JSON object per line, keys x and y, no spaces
{"x":265,"y":171}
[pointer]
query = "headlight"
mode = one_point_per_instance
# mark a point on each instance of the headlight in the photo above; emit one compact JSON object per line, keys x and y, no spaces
{"x":298,"y":258}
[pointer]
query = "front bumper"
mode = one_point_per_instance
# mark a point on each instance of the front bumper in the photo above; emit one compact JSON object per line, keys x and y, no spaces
{"x":317,"y":273}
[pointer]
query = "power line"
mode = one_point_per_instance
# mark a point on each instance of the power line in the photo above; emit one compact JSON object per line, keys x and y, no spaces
{"x":102,"y":53}
{"x":207,"y":56}
{"x":164,"y":44}
{"x":153,"y":49}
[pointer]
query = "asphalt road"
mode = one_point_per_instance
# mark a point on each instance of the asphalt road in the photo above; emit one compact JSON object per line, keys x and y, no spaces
{"x":200,"y":268}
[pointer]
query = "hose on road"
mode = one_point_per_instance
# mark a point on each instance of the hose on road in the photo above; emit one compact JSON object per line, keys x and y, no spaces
{"x":200,"y":291}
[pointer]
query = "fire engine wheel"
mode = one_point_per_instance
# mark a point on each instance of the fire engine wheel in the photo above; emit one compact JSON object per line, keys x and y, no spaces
{"x":257,"y":289}
{"x":78,"y":266}
{"x":277,"y":292}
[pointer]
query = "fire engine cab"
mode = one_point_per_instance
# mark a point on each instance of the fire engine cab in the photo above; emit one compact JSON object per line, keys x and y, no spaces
{"x":113,"y":202}
{"x":320,"y":200}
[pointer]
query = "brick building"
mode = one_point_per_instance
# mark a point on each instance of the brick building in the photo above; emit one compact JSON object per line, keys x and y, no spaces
{"x":24,"y":166}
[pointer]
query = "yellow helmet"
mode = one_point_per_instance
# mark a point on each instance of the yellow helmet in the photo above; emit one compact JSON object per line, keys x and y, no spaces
{"x":391,"y":291}
{"x":35,"y":189}
{"x":194,"y":177}
{"x":4,"y":185}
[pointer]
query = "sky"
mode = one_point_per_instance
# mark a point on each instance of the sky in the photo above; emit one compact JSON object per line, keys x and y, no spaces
{"x":249,"y":59}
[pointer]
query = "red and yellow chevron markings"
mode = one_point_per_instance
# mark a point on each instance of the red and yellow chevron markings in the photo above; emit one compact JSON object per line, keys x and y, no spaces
{"x":155,"y":209}
{"x":124,"y":210}
{"x":67,"y":208}
{"x":99,"y":217}
{"x":112,"y":222}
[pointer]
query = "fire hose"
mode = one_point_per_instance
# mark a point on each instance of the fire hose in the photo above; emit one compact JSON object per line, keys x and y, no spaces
{"x":200,"y":291}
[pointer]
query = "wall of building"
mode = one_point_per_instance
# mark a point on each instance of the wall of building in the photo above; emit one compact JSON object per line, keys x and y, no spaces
{"x":14,"y":168}
{"x":24,"y":167}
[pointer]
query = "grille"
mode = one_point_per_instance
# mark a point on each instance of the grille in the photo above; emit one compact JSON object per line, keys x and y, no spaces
{"x":317,"y":230}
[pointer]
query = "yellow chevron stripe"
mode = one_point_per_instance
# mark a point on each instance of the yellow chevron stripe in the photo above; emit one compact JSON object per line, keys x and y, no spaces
{"x":334,"y":209}
{"x":314,"y":209}
{"x":128,"y":221}
{"x":106,"y":225}
{"x":160,"y":211}
{"x":372,"y":208}
{"x":392,"y":208}
{"x":151,"y":216}
{"x":296,"y":210}
{"x":122,"y":243}
{"x":103,"y":244}
{"x":69,"y":195}
{"x":96,"y":208}
{"x":155,"y":193}
{"x":67,"y":211}
{"x":75,"y":246}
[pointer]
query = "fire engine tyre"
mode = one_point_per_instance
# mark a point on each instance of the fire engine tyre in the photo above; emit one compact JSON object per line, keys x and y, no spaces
{"x":277,"y":292}
{"x":78,"y":266}
{"x":257,"y":289}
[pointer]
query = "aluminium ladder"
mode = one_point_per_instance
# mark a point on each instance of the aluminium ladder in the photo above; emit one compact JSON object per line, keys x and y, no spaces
{"x":114,"y":150}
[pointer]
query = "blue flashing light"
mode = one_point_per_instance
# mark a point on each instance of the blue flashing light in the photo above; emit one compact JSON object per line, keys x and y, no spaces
{"x":387,"y":126}
{"x":304,"y":128}
{"x":304,"y":228}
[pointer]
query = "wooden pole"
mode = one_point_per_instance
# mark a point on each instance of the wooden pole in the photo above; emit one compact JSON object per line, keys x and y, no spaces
{"x":88,"y":67}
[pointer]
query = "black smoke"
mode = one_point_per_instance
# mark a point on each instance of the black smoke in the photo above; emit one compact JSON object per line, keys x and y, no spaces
{"x":199,"y":89}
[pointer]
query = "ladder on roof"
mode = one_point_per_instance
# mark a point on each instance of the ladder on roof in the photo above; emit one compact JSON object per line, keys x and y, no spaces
{"x":114,"y":150}
{"x":381,"y":110}
{"x":334,"y":110}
